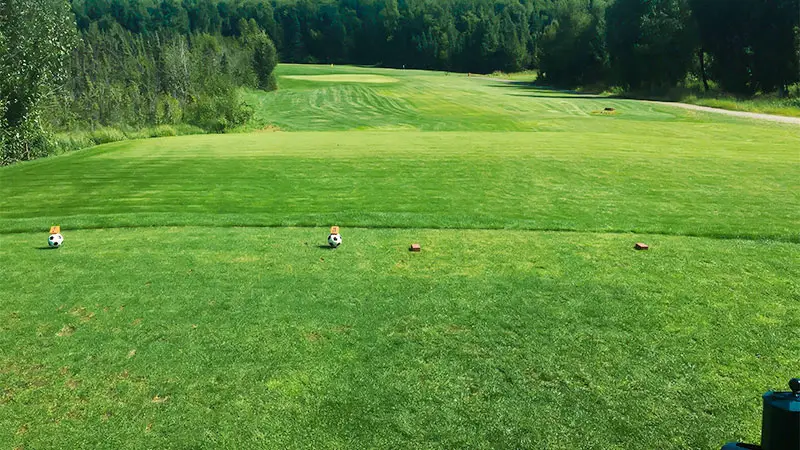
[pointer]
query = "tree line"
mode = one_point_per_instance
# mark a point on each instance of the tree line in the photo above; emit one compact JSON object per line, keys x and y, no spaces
{"x":58,"y":76}
{"x":744,"y":45}
{"x":141,"y":62}
{"x":120,"y":77}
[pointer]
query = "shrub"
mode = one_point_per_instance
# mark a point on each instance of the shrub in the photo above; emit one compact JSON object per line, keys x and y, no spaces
{"x":272,"y":83}
{"x":265,"y":58}
{"x":220,"y":113}
{"x":163,"y":131}
{"x":66,"y":142}
{"x":794,"y":90}
{"x":24,"y":142}
{"x":105,"y":135}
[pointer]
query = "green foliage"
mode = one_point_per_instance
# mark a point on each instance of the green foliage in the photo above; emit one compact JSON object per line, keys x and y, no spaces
{"x":122,"y":79}
{"x":105,"y":135}
{"x":220,"y":113}
{"x":163,"y":131}
{"x":76,"y":140}
{"x":651,"y":44}
{"x":265,"y":59}
{"x":168,"y":110}
{"x":573,"y":44}
{"x":751,"y":43}
{"x":35,"y":41}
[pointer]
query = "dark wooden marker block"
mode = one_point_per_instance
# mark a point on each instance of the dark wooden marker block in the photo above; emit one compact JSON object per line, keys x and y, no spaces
{"x":415,"y":248}
{"x":641,"y":246}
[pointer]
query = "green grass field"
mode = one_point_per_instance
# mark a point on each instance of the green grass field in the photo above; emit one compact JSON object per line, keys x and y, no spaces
{"x":195,"y":304}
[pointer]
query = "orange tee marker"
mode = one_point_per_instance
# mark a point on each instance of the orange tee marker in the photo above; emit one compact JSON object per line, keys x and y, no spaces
{"x":334,"y":230}
{"x":55,"y":229}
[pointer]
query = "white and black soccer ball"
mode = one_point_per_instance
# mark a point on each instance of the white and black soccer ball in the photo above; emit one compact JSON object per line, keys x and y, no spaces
{"x":335,"y":240}
{"x":55,"y":240}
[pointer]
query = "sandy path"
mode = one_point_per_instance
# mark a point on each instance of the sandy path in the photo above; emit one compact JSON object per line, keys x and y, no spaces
{"x":747,"y":115}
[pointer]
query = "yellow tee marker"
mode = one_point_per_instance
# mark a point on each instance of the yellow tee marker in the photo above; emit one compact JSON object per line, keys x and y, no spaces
{"x":334,"y":230}
{"x":55,"y":229}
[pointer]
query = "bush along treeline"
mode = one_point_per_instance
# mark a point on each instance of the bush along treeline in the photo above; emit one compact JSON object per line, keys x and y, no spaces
{"x":106,"y":82}
{"x":119,"y":77}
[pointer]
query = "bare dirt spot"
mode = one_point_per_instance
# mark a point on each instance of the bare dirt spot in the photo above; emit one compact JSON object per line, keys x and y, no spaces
{"x":159,"y":399}
{"x":72,"y":384}
{"x":148,"y":428}
{"x":453,"y":329}
{"x":131,"y":353}
{"x":78,"y":312}
{"x":342,"y":329}
{"x":66,"y":330}
{"x":82,"y":313}
{"x":22,"y":430}
{"x":314,"y":337}
{"x":136,"y":322}
{"x":269,"y":129}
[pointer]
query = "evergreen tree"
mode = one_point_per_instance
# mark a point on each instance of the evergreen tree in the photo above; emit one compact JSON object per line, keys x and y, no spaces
{"x":652,"y":42}
{"x":264,"y":60}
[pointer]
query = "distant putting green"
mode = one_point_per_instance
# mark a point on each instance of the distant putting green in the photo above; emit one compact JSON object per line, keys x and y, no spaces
{"x":341,"y":78}
{"x":195,"y":304}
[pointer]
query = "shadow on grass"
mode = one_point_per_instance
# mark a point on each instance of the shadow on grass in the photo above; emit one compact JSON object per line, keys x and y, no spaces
{"x":326,"y":247}
{"x":568,"y":96}
{"x":46,"y":248}
{"x":539,"y":91}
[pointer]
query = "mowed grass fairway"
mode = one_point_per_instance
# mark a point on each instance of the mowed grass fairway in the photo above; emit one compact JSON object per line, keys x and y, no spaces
{"x":195,"y":305}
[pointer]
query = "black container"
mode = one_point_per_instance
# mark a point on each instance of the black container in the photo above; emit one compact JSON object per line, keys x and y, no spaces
{"x":780,"y":420}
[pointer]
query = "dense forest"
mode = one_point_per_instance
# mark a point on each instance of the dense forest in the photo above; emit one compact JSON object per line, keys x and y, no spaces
{"x":91,"y":63}
{"x":746,"y":45}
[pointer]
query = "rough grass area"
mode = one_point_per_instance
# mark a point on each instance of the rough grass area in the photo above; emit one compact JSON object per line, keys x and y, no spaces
{"x":195,"y":304}
{"x":76,"y":140}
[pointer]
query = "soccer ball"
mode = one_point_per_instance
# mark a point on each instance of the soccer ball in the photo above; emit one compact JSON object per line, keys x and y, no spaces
{"x":55,"y":240}
{"x":334,"y":240}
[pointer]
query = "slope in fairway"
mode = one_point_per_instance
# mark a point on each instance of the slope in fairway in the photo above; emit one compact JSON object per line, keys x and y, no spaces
{"x":195,"y":305}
